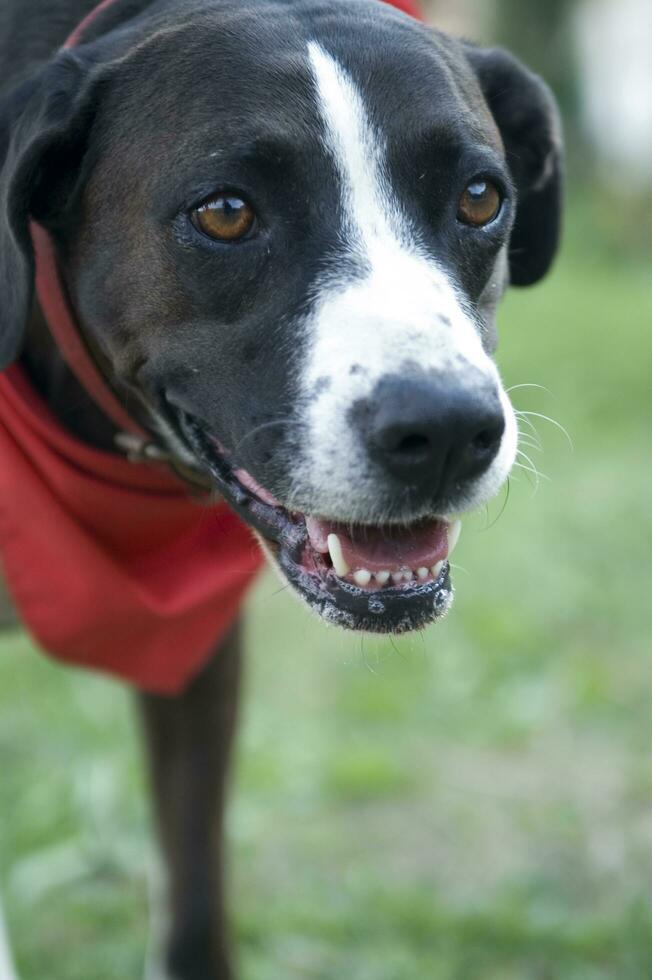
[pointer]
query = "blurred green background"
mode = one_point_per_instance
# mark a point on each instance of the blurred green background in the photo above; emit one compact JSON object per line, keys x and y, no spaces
{"x":474,"y":803}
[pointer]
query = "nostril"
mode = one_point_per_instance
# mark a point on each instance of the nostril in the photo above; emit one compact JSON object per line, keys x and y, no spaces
{"x":413,"y":443}
{"x":485,"y":440}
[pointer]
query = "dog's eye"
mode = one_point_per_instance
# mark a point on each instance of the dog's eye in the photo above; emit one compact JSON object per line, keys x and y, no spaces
{"x":479,"y":204}
{"x":225,"y":218}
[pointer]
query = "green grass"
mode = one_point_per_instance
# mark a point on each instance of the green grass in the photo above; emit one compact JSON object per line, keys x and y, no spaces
{"x":471,"y":804}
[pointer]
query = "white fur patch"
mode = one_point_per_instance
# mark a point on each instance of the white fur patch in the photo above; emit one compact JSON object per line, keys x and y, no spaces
{"x":399,"y":305}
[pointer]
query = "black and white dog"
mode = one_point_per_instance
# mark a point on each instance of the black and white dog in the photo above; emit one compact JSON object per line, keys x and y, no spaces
{"x":311,"y":209}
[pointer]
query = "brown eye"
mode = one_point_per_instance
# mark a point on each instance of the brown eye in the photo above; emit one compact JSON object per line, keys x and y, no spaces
{"x":225,"y":218}
{"x":479,"y":204}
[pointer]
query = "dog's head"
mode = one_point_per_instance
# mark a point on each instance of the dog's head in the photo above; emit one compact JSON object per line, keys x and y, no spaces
{"x":285,"y":228}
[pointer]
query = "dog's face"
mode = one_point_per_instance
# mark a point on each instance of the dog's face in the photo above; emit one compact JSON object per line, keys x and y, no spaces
{"x":286,"y":233}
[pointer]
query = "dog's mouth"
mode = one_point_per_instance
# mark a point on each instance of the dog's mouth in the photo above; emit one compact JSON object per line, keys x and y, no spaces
{"x":375,"y":578}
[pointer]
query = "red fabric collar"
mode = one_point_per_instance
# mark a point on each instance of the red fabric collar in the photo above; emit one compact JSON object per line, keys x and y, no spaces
{"x":111,"y":564}
{"x":55,"y":307}
{"x":61,"y":323}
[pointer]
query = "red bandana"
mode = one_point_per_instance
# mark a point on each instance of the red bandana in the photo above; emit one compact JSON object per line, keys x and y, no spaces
{"x":111,"y":563}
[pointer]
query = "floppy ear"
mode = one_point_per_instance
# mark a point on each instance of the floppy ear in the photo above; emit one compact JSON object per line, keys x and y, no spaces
{"x":43,"y":131}
{"x":526,"y":115}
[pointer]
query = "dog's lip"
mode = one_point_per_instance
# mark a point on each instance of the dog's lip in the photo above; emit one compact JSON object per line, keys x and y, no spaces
{"x":359,"y":603}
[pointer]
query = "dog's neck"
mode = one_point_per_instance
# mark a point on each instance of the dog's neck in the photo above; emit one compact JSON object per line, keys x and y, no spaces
{"x":57,"y":385}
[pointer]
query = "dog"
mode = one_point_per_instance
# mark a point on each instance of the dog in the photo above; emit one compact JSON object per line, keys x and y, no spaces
{"x":282,"y":229}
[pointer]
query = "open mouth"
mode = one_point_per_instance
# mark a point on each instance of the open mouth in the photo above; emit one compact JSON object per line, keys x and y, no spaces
{"x":375,"y":578}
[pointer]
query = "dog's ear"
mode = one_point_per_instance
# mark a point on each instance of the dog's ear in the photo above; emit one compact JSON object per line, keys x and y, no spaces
{"x":44,"y":128}
{"x":526,"y":115}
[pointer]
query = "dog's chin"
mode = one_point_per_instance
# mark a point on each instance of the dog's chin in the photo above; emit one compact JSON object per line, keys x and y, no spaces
{"x":370,"y":578}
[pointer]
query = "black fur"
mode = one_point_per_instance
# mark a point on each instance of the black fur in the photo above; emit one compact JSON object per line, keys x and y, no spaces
{"x":44,"y":125}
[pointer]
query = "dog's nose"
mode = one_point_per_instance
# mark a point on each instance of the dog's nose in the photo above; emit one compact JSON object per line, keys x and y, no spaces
{"x":433,"y":433}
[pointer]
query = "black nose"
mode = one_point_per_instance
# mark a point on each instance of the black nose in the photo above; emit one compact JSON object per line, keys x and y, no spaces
{"x":434,"y":431}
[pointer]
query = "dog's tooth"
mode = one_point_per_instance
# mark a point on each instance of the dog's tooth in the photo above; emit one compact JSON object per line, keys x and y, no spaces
{"x":454,"y":531}
{"x":436,"y":569}
{"x":407,"y":575}
{"x":423,"y":573}
{"x":397,"y":577}
{"x":362,"y":577}
{"x":335,"y":551}
{"x":382,"y":577}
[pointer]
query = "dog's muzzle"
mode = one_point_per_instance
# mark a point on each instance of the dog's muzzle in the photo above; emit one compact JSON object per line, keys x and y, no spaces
{"x":378,"y":579}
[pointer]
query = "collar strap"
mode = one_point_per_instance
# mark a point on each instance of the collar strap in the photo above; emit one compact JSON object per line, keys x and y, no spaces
{"x":61,"y":323}
{"x":60,"y":319}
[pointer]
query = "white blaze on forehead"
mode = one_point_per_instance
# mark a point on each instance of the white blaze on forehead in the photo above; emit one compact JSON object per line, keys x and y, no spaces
{"x":369,"y":212}
{"x":395,"y":267}
{"x":384,"y":301}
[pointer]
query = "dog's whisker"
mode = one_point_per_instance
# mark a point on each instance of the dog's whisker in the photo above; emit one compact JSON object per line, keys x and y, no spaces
{"x":534,"y":483}
{"x":365,"y":659}
{"x":274,"y":423}
{"x":530,"y":433}
{"x":516,"y":388}
{"x":531,"y":462}
{"x":459,"y":568}
{"x":278,"y":591}
{"x":531,"y":469}
{"x":395,"y":648}
{"x":524,"y":439}
{"x":530,"y":424}
{"x":546,"y":418}
{"x":530,"y":447}
{"x":528,"y":469}
{"x":528,"y":465}
{"x":504,"y":506}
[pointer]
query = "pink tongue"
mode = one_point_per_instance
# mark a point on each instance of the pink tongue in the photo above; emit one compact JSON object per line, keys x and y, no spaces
{"x":383,"y":548}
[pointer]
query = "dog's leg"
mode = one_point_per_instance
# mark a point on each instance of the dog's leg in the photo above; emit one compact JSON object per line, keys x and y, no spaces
{"x":7,"y":970}
{"x":189,"y":739}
